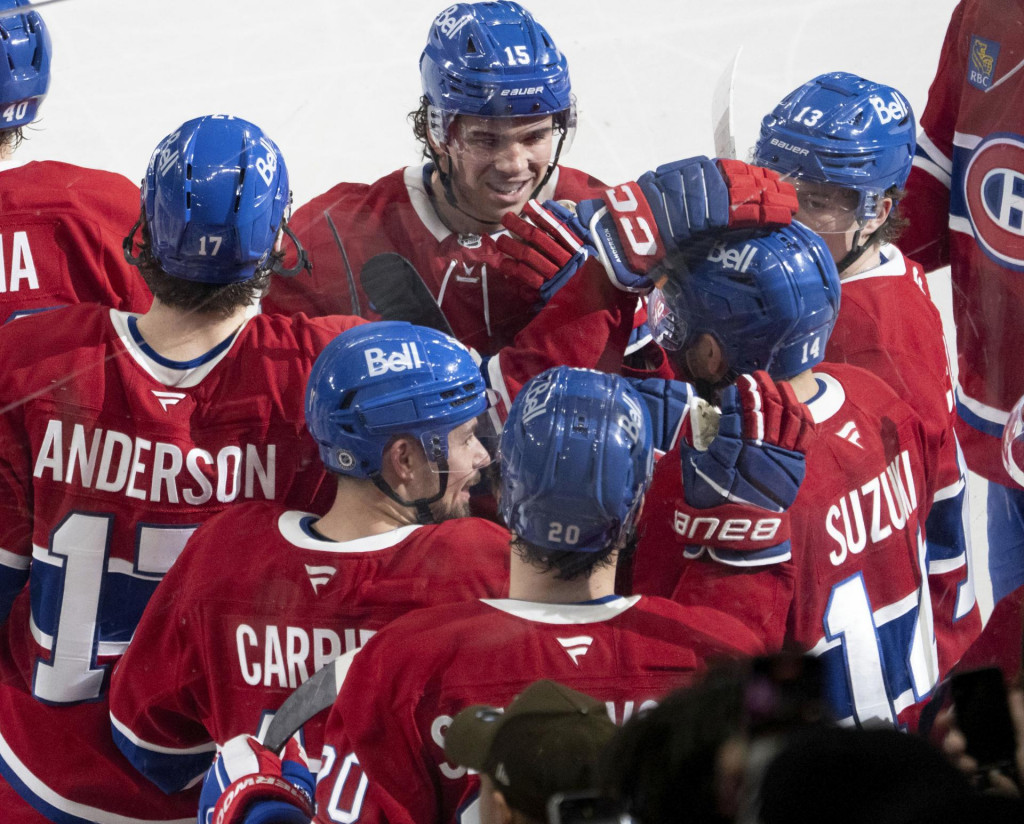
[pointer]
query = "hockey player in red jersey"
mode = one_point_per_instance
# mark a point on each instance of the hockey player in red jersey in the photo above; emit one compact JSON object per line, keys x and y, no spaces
{"x":396,"y":411}
{"x":849,"y":161}
{"x":121,"y":433}
{"x":964,"y":206}
{"x":496,"y":115}
{"x":576,"y":454}
{"x":61,"y":226}
{"x":848,"y":581}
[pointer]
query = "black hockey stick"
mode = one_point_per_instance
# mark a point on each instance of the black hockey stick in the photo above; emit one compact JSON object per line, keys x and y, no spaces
{"x":316,"y":695}
{"x":397,"y":292}
{"x":353,"y":292}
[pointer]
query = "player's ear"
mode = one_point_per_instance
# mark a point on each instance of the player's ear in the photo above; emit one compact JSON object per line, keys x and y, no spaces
{"x":402,"y":460}
{"x":874,"y":224}
{"x":706,"y":360}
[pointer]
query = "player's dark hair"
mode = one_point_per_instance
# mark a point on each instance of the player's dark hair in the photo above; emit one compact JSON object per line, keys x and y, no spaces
{"x":213,"y":299}
{"x":568,"y":565}
{"x":11,"y":139}
{"x":420,"y":126}
{"x":895,"y":223}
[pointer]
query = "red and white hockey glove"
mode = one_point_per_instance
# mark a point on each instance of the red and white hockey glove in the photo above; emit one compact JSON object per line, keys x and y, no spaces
{"x":635,"y":225}
{"x":742,"y":471}
{"x":546,"y":248}
{"x":249,"y":784}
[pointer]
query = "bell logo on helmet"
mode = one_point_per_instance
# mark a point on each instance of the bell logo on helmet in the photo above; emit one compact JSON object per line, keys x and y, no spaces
{"x":738,"y":260}
{"x":267,"y":166}
{"x":633,"y":422}
{"x":888,"y":112}
{"x":449,"y":24}
{"x":168,"y":155}
{"x":379,"y":362}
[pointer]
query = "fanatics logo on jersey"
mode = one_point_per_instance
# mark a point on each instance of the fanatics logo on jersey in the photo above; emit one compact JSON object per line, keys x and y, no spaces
{"x":994,"y":193}
{"x":982,"y":66}
{"x":169,"y":399}
{"x":576,"y":647}
{"x":319,"y":575}
{"x":849,"y":432}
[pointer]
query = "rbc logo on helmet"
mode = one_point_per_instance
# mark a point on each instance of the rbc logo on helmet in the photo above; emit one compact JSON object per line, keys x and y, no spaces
{"x":994,"y":192}
{"x":379,"y":362}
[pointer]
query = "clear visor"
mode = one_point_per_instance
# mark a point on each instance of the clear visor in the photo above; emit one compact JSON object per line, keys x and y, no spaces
{"x":486,"y":138}
{"x":471,"y":445}
{"x":667,"y":329}
{"x":827,"y":208}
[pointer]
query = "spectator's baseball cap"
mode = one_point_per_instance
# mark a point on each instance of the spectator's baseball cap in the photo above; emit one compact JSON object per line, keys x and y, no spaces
{"x":547,"y":741}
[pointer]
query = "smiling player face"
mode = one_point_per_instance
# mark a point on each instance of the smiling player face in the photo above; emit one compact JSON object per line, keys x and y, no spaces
{"x":496,"y":164}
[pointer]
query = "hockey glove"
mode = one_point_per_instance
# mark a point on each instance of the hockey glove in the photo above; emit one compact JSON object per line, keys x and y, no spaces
{"x":636,"y":224}
{"x":668,"y":402}
{"x":743,"y":470}
{"x":249,"y":784}
{"x":547,"y":248}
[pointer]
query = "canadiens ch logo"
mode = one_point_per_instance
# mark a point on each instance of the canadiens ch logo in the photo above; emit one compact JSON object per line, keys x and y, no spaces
{"x":982,"y":65}
{"x":994,"y":192}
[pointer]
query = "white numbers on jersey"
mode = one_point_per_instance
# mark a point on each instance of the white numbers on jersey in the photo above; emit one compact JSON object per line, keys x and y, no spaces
{"x":889,"y":654}
{"x":349,"y":773}
{"x":81,"y":542}
{"x":15,"y":111}
{"x":214,"y":241}
{"x":808,"y":116}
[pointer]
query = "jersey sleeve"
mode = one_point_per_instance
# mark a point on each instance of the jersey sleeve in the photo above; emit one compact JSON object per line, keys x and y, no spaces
{"x":926,"y":205}
{"x":158,"y":689}
{"x":586,"y":324}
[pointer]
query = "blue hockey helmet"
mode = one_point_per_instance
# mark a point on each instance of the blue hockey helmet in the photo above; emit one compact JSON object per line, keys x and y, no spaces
{"x":214,"y":196}
{"x":25,"y":73}
{"x":576,"y":460}
{"x":493,"y":59}
{"x":380,"y":380}
{"x":844,"y":130}
{"x":769,"y":299}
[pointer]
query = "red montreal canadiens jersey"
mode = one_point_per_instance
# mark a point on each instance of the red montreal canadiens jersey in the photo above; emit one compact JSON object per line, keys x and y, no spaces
{"x":384,"y":755}
{"x":110,"y":459}
{"x":61,"y":228}
{"x":853,"y":592}
{"x":484,"y":307}
{"x":235,"y":627}
{"x":966,"y":208}
{"x":888,"y":325}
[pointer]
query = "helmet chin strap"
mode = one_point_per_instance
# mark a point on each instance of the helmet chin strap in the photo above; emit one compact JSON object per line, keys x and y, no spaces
{"x":857,"y":251}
